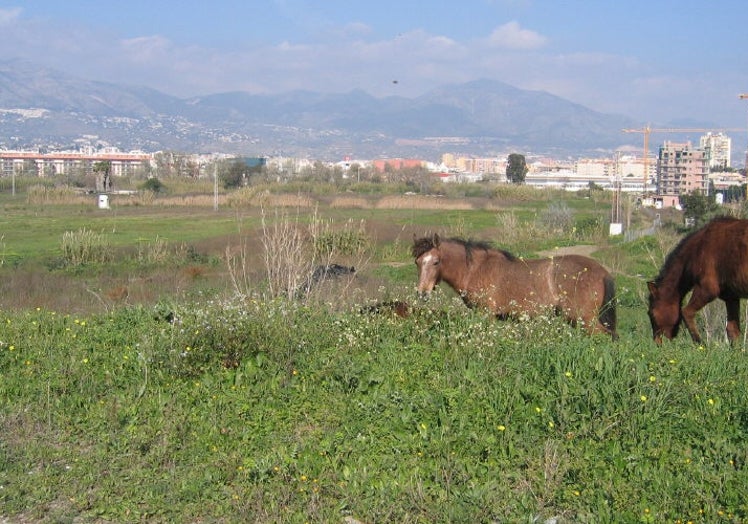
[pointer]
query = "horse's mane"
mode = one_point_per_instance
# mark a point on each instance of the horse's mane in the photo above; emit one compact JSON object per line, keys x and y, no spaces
{"x":675,"y":255}
{"x":422,"y":245}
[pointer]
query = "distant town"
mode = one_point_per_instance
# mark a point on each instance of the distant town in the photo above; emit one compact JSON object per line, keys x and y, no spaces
{"x":664,"y":175}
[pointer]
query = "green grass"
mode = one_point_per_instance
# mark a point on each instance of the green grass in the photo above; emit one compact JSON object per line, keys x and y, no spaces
{"x":251,"y":409}
{"x":35,"y":232}
{"x":272,"y":412}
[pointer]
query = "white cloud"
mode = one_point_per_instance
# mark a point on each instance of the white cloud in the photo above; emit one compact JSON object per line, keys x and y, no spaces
{"x":351,"y":57}
{"x":8,"y":16}
{"x":512,"y":36}
{"x":146,"y":49}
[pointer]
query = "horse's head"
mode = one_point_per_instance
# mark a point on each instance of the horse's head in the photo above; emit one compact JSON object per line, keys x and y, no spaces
{"x":428,"y":261}
{"x":664,"y":315}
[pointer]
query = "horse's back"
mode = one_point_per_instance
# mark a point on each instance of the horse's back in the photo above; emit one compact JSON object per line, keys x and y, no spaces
{"x":718,"y":254}
{"x":579,"y":265}
{"x":587,"y":291}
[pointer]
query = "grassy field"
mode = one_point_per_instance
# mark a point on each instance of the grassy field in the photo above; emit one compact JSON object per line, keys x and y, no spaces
{"x":199,"y":395}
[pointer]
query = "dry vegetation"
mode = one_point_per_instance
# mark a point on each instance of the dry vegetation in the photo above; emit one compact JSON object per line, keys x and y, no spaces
{"x":161,"y":266}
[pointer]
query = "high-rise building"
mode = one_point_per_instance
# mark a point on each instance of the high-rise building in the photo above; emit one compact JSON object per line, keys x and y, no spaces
{"x":717,"y":148}
{"x":681,"y":169}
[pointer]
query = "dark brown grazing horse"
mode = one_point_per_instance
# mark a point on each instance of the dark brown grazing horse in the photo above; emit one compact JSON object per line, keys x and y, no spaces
{"x":574,"y":286}
{"x":713,"y":262}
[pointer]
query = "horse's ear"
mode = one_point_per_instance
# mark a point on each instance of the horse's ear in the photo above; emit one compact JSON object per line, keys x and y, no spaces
{"x":435,"y":240}
{"x":652,"y":288}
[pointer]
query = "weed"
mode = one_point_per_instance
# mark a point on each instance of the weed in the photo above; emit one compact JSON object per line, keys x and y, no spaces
{"x":153,"y":252}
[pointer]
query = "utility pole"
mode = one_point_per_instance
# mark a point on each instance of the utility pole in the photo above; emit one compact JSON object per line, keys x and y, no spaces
{"x":215,"y":186}
{"x":743,"y":96}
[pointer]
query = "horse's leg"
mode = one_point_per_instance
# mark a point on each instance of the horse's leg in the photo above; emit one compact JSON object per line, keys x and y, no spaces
{"x":733,"y":318}
{"x":699,"y":298}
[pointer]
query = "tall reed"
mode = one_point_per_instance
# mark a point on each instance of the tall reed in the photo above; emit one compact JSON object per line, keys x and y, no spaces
{"x":84,"y":246}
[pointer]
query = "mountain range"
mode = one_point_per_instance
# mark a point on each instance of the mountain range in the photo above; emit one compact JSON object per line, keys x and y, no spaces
{"x":41,"y":107}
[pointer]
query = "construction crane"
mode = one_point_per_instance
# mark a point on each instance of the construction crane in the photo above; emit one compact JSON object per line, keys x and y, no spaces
{"x":743,"y":96}
{"x":647,"y":130}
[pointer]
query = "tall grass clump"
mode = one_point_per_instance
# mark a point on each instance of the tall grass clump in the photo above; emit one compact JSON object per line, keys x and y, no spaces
{"x":153,"y":252}
{"x":287,"y":255}
{"x":328,"y":241}
{"x":43,"y":194}
{"x":84,"y":246}
{"x":226,"y":333}
{"x":295,"y":254}
{"x":161,"y":252}
{"x":557,"y":219}
{"x":513,"y":231}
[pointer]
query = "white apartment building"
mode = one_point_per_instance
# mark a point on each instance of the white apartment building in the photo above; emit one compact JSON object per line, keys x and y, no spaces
{"x":469,"y":164}
{"x":50,"y":164}
{"x":717,"y":149}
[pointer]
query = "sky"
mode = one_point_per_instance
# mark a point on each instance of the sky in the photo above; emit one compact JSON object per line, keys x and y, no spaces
{"x":662,"y":62}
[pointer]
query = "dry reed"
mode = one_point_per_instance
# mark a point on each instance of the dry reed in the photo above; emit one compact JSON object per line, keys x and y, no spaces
{"x":421,"y":202}
{"x":349,"y":202}
{"x":56,"y":195}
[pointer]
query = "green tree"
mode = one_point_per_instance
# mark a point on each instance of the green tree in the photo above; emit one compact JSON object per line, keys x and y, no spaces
{"x":516,"y":168}
{"x":697,"y":207}
{"x":103,"y":172}
{"x":153,"y":185}
{"x":235,"y":174}
{"x":735,"y":193}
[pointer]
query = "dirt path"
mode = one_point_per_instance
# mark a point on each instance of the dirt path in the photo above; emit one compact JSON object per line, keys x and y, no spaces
{"x":585,"y":250}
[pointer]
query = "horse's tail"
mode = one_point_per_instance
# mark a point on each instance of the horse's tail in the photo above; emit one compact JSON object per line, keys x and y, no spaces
{"x":607,"y":314}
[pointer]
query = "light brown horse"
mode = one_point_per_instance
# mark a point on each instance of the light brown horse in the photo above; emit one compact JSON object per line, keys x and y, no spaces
{"x":574,"y":286}
{"x":713,"y":262}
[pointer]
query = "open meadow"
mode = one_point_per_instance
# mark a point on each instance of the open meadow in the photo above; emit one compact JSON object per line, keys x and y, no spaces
{"x":171,"y":359}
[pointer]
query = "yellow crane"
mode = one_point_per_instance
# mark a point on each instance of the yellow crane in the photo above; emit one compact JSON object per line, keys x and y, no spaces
{"x":647,"y":130}
{"x":743,"y":96}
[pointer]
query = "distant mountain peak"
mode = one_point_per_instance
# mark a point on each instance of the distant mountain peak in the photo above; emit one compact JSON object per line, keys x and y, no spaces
{"x":492,"y":116}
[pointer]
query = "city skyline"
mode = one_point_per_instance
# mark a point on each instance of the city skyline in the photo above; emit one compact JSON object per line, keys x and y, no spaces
{"x":668,"y":62}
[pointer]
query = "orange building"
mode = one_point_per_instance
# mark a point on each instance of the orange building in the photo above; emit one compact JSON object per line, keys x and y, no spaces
{"x":395,"y":164}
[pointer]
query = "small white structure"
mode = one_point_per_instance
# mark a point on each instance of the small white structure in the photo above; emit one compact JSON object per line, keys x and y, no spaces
{"x":616,"y":228}
{"x":103,"y":201}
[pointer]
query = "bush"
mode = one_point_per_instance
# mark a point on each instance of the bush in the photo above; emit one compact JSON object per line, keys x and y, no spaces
{"x":558,"y":218}
{"x":346,"y":241}
{"x":154,"y":185}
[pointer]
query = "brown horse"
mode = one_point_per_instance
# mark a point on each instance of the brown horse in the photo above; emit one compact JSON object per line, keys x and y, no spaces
{"x":574,"y":286}
{"x":713,"y":262}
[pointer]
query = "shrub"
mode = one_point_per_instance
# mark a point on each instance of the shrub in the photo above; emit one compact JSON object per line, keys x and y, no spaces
{"x":350,"y":240}
{"x":154,"y":185}
{"x":558,"y":218}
